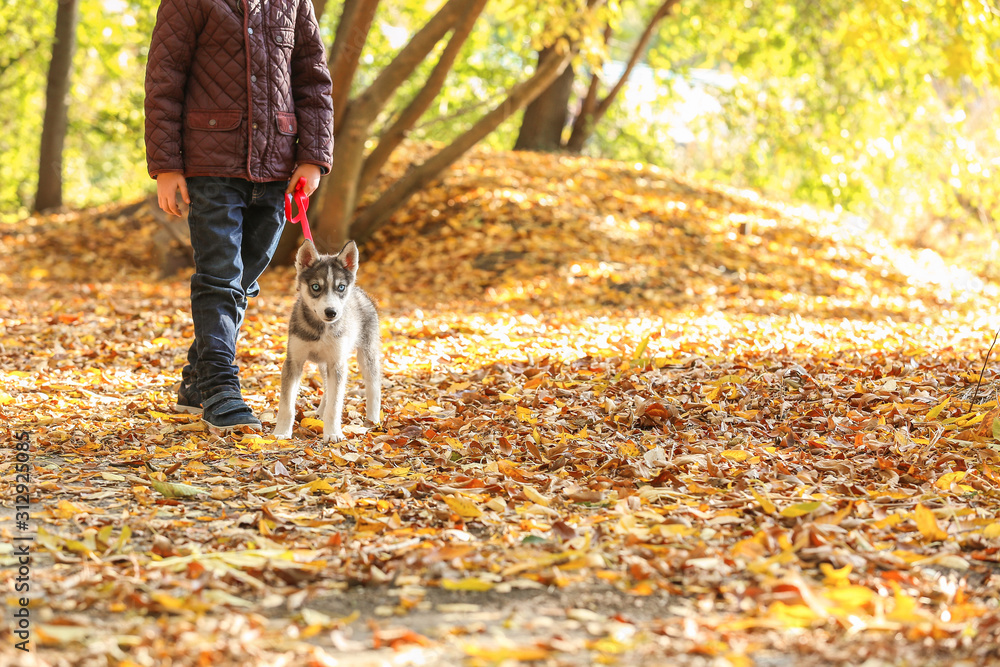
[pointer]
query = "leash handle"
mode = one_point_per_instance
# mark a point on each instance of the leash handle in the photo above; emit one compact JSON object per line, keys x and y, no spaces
{"x":302,"y":202}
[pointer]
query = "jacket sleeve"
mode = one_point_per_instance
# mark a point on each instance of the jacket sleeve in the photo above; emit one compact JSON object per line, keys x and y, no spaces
{"x":312,"y":90}
{"x":171,"y":50}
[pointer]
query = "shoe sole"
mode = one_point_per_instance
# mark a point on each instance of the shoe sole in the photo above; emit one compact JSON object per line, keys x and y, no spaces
{"x":231,"y":427}
{"x":187,"y":409}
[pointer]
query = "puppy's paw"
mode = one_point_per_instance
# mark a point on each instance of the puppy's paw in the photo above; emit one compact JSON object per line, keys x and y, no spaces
{"x":282,"y":434}
{"x":333,"y":436}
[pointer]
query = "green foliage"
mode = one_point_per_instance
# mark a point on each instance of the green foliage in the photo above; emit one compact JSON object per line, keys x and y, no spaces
{"x":27,"y":30}
{"x":104,"y":157}
{"x":882,"y":107}
{"x":105,"y":153}
{"x":876,"y":107}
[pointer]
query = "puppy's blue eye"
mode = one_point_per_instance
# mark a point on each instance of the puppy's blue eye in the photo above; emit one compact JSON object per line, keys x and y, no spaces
{"x":341,"y":288}
{"x":315,"y":287}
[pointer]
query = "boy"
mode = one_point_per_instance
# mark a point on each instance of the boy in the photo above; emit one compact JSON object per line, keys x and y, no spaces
{"x":238,"y":109}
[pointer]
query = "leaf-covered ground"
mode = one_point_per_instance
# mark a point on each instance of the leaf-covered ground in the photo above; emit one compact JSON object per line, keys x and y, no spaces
{"x":630,"y":419}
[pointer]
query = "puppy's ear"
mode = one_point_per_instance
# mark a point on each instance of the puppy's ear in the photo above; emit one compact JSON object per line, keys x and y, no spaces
{"x":307,"y":256}
{"x":349,"y":257}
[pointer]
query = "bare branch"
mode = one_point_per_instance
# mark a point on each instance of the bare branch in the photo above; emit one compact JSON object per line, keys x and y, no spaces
{"x":394,"y":135}
{"x":375,"y":97}
{"x":588,"y":118}
{"x":375,"y":215}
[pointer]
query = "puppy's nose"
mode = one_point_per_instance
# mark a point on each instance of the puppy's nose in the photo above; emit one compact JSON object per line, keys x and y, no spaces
{"x":330,"y":313}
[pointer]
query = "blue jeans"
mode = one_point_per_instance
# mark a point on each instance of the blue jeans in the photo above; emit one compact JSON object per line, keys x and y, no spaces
{"x":235,"y":228}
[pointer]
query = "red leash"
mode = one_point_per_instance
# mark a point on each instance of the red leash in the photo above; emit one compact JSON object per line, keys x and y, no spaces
{"x":302,"y":201}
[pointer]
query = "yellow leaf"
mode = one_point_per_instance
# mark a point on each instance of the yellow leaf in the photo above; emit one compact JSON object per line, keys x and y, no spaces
{"x":467,"y":584}
{"x":174,"y":490}
{"x":312,"y":424}
{"x":463,"y":507}
{"x":835,"y":519}
{"x":889,"y":521}
{"x":168,"y":602}
{"x":833,"y":576}
{"x":765,"y":503}
{"x":792,"y":615}
{"x":905,"y":609}
{"x":737,"y":455}
{"x":750,"y":548}
{"x":511,"y":470}
{"x":850,"y":597}
{"x":507,"y":654}
{"x":642,"y":588}
{"x":674,"y":529}
{"x":927,"y":524}
{"x":321,"y":486}
{"x":936,"y":410}
{"x":534,"y":496}
{"x":5,"y":398}
{"x":641,"y":349}
{"x":524,"y":415}
{"x":66,"y":510}
{"x":123,"y":538}
{"x":945,"y":481}
{"x":221,"y":493}
{"x":800,"y":509}
{"x":992,"y":530}
{"x":628,"y":449}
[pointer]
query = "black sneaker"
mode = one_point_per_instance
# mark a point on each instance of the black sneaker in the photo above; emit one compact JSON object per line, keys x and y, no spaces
{"x":226,"y":410}
{"x":188,"y":399}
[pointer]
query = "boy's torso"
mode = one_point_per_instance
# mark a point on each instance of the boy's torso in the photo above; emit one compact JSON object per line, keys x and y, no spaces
{"x":239,"y":115}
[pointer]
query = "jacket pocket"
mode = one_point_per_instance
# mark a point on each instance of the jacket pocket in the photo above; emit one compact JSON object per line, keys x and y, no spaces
{"x":214,"y":120}
{"x":287,"y":123}
{"x":283,"y":37}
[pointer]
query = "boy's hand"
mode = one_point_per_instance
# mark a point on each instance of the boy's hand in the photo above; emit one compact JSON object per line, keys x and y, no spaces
{"x":167,"y":185}
{"x":311,"y":173}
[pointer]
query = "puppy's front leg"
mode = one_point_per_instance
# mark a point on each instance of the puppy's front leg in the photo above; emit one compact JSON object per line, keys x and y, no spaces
{"x":333,"y":394}
{"x":291,"y":374}
{"x":325,"y":375}
{"x":370,"y":362}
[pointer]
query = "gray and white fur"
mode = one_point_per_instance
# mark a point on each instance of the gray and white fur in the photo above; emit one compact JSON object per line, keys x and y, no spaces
{"x":332,"y":317}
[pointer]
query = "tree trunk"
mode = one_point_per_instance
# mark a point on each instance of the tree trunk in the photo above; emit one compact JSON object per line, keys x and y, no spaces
{"x":345,"y":54}
{"x":341,"y":192}
{"x":319,"y":6}
{"x":55,"y":122}
{"x":379,"y":212}
{"x":545,"y":118}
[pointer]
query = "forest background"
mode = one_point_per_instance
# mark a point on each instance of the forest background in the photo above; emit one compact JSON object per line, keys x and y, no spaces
{"x":881,"y":109}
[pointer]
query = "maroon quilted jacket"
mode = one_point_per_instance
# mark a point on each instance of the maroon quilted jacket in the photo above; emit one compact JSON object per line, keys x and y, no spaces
{"x":237,"y":88}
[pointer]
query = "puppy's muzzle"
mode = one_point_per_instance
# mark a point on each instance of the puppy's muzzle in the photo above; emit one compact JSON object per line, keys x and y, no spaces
{"x":331,"y":314}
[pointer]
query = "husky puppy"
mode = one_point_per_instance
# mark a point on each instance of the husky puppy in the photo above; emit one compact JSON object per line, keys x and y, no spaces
{"x":332,"y":317}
